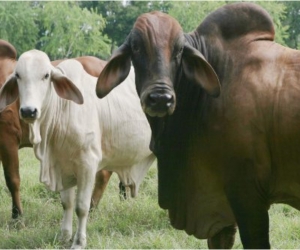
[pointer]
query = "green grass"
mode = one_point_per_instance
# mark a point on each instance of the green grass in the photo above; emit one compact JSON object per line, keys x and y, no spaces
{"x":134,"y":223}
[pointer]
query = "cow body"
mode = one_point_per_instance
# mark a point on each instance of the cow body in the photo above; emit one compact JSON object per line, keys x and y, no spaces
{"x":14,"y":132}
{"x":223,"y":160}
{"x":74,"y":141}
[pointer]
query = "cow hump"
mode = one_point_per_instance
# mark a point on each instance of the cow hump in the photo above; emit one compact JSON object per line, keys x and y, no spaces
{"x":235,"y":20}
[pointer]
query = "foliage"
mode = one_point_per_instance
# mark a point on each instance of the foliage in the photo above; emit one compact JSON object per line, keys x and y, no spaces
{"x":66,"y":35}
{"x":74,"y":28}
{"x":278,"y":12}
{"x":191,"y":13}
{"x":120,"y":17}
{"x":293,"y":21}
{"x":18,"y":24}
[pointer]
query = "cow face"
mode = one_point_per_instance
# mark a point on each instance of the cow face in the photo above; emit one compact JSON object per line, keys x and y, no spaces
{"x":31,"y":82}
{"x":160,"y":54}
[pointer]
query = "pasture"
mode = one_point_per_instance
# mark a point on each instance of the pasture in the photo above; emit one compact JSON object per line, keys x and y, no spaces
{"x":135,"y":223}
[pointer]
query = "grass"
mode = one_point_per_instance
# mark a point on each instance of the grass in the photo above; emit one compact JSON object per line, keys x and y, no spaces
{"x":134,"y":223}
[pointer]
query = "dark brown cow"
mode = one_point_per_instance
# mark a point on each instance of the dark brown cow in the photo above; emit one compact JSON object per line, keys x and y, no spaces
{"x":14,"y":133}
{"x":221,"y":160}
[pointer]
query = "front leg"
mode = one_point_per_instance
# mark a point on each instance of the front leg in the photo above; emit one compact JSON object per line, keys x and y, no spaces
{"x":250,"y":209}
{"x":10,"y":161}
{"x":67,"y":201}
{"x":85,"y":185}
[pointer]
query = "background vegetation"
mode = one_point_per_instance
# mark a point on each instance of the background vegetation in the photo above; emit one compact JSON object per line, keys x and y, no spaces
{"x":73,"y":28}
{"x":132,"y":224}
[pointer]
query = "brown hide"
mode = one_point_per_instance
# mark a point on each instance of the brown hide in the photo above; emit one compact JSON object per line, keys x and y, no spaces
{"x":224,"y":160}
{"x":14,"y":133}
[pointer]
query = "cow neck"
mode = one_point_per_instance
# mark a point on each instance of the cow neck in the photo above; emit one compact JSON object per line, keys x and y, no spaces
{"x":212,"y":49}
{"x":197,"y":42}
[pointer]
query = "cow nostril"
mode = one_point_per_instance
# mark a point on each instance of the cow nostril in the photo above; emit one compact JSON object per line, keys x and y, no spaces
{"x":28,"y":112}
{"x":157,"y":98}
{"x":153,"y":97}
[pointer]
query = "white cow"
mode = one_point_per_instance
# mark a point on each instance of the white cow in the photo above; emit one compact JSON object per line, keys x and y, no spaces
{"x":74,"y":141}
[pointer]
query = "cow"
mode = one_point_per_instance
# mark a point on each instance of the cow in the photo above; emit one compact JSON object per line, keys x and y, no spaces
{"x":14,"y":133}
{"x":74,"y":134}
{"x":223,"y":105}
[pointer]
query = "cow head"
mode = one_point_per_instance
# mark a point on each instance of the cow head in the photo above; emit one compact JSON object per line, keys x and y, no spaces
{"x":159,"y":53}
{"x":31,"y":82}
{"x":8,"y":55}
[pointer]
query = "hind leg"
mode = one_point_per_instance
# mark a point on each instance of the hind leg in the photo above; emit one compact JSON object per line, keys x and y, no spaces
{"x":101,"y":181}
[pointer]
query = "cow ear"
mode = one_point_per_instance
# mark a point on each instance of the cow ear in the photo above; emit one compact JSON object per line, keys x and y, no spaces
{"x":198,"y":70}
{"x":115,"y":71}
{"x":9,"y":92}
{"x":7,"y":50}
{"x":65,"y":88}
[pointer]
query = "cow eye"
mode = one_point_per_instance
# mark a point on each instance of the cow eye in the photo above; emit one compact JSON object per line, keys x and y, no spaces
{"x":46,"y":76}
{"x":17,"y":76}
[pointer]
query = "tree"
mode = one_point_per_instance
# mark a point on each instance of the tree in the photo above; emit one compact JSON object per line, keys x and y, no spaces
{"x":293,"y":22}
{"x":18,"y":24}
{"x":278,"y":12}
{"x":120,"y":16}
{"x":70,"y":31}
{"x":190,"y":13}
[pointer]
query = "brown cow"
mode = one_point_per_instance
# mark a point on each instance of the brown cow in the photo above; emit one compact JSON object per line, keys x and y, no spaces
{"x":14,"y":133}
{"x":221,"y":160}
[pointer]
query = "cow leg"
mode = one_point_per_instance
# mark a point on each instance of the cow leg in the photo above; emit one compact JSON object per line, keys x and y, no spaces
{"x":250,"y":210}
{"x":67,"y":200}
{"x":101,"y":181}
{"x":10,"y":161}
{"x":84,"y":193}
{"x":253,"y":226}
{"x":122,"y":191}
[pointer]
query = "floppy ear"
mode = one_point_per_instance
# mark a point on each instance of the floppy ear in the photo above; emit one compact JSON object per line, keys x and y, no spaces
{"x":199,"y":71}
{"x":115,"y":71}
{"x":7,"y":50}
{"x":9,"y":92}
{"x":65,"y":88}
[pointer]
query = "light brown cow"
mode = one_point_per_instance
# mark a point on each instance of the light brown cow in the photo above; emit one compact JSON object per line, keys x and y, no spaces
{"x":14,"y":133}
{"x":224,"y":160}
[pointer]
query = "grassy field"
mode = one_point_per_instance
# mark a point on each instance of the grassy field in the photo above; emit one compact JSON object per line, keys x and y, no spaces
{"x":135,"y":223}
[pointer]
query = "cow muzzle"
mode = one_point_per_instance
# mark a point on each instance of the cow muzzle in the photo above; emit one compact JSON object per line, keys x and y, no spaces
{"x":158,"y":102}
{"x":28,"y":114}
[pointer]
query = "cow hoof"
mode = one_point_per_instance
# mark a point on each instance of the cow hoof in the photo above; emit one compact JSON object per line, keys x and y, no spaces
{"x":79,"y":242}
{"x":65,"y":236}
{"x":75,"y":246}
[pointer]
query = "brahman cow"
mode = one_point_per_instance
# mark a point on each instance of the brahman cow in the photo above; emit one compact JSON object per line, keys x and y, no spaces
{"x":14,"y":133}
{"x":223,"y":106}
{"x":74,"y":141}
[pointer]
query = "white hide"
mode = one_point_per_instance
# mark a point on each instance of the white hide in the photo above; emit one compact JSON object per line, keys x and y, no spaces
{"x":74,"y":141}
{"x":114,"y":128}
